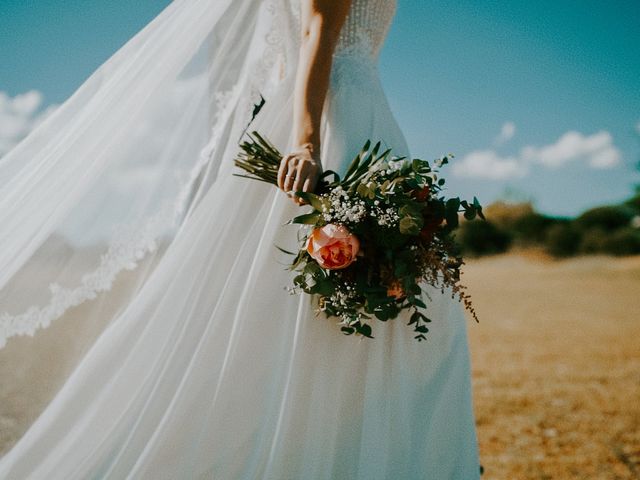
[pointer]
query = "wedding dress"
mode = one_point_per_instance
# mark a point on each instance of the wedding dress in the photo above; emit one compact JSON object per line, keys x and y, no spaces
{"x":180,"y":354}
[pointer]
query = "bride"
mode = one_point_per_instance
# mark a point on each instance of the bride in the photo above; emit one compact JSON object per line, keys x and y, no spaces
{"x":146,"y":326}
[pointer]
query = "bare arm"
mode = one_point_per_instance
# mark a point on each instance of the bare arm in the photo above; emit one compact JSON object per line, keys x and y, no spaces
{"x":322,"y":21}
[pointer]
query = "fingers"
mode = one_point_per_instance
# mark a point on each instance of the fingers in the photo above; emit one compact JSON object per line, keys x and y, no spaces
{"x":282,"y":171}
{"x":307,"y":185}
{"x":300,"y":175}
{"x":296,"y":174}
{"x":286,"y":171}
{"x":307,"y":182}
{"x":304,"y":178}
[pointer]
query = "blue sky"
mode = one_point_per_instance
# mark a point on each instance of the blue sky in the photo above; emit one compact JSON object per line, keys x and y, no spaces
{"x":536,"y":100}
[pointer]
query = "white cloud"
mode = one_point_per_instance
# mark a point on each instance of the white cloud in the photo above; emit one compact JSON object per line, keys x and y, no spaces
{"x":488,"y":164}
{"x":596,"y":150}
{"x":506,"y":133}
{"x":18,"y":116}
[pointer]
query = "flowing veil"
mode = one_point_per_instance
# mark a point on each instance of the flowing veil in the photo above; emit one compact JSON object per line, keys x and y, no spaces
{"x":92,"y":199}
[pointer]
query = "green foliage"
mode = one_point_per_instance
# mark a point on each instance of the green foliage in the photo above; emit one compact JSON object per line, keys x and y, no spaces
{"x":624,"y":241}
{"x":482,"y":238}
{"x":594,"y":240}
{"x":562,"y":239}
{"x":523,"y":224}
{"x":634,"y":202}
{"x":606,"y":218}
{"x":601,"y":230}
{"x":531,"y":228}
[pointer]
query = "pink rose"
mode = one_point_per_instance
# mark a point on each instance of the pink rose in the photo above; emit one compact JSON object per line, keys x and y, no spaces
{"x":332,"y":246}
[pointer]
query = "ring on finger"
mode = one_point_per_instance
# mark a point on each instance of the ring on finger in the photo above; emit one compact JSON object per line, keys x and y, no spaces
{"x":286,"y":183}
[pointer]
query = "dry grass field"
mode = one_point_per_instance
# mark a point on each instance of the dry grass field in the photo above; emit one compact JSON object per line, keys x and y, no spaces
{"x":556,"y":366}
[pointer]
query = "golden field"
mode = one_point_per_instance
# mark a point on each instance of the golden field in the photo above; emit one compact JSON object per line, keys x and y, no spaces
{"x":556,"y":366}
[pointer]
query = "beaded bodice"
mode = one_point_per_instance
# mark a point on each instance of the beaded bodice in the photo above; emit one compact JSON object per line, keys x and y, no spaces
{"x":366,"y":27}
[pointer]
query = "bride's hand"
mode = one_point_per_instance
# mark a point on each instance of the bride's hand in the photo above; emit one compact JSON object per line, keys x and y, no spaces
{"x":299,"y":171}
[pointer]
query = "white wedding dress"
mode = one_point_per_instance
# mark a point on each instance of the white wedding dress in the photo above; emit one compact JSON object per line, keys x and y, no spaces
{"x":212,"y":370}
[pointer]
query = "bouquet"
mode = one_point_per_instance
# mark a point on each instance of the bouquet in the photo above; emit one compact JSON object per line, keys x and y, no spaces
{"x":373,"y":236}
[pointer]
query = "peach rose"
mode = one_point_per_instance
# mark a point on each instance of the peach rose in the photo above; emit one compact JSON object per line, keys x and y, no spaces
{"x":395,"y":290}
{"x":332,"y":246}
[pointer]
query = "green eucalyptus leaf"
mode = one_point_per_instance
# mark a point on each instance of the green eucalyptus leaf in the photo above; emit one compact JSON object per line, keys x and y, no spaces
{"x":362,"y":190}
{"x":314,"y":200}
{"x":284,"y":251}
{"x":326,"y":173}
{"x":408,"y":226}
{"x":418,"y":302}
{"x":478,"y":208}
{"x":311,"y":268}
{"x":365,"y":329}
{"x":324,"y":287}
{"x":470,"y":214}
{"x":306,"y":219}
{"x":347,"y":330}
{"x":453,"y":204}
{"x":451,"y":212}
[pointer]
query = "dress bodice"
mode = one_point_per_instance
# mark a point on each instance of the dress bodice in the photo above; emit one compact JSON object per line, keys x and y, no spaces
{"x":366,"y":27}
{"x":357,"y":108}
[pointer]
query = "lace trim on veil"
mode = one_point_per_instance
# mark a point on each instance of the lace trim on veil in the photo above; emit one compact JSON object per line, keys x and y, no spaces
{"x":132,"y":243}
{"x":130,"y":246}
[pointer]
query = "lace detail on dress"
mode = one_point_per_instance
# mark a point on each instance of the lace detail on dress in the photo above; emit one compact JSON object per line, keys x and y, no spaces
{"x":360,"y":41}
{"x":366,"y":27}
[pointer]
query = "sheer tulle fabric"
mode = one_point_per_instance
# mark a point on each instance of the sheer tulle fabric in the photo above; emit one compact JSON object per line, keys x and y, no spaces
{"x":211,"y":369}
{"x":92,"y":199}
